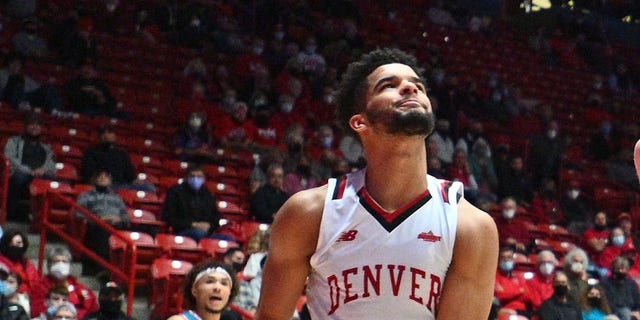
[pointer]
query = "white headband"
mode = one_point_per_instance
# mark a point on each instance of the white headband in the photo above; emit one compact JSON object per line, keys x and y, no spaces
{"x":208,"y":271}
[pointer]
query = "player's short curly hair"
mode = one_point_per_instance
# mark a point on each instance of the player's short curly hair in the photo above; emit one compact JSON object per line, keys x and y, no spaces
{"x":354,"y":80}
{"x":189,"y":300}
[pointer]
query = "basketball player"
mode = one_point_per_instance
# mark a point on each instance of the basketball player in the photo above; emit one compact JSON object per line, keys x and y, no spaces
{"x":636,"y":158}
{"x":209,"y":288}
{"x":386,"y":242}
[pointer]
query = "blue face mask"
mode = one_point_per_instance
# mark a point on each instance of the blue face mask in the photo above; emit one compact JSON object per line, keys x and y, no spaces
{"x":6,"y":289}
{"x":195,"y":182}
{"x":506,"y":266}
{"x":51,"y":310}
{"x":618,"y":241}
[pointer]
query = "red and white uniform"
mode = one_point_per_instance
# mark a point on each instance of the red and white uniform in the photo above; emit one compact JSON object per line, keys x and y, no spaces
{"x":373,"y":264}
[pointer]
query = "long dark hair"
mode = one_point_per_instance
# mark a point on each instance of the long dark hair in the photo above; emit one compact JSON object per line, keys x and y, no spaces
{"x":8,"y":236}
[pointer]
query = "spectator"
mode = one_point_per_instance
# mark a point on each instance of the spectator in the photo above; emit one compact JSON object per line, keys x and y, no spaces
{"x":618,"y":245}
{"x":59,"y":265}
{"x":89,"y":95}
{"x":193,"y":142}
{"x":56,"y":296}
{"x":301,"y":178}
{"x":13,"y":296}
{"x":13,"y":248}
{"x":541,"y":285}
{"x":235,"y":258}
{"x":577,"y":208}
{"x":106,"y":205}
{"x":459,"y":171}
{"x":442,"y":137}
{"x":79,"y":46}
{"x":481,"y":166}
{"x":473,"y":134}
{"x":190,"y":207}
{"x":604,"y":143}
{"x":576,"y":265}
{"x":624,"y":222}
{"x":621,"y":291}
{"x":545,"y":154}
{"x":268,"y":199}
{"x":513,"y":231}
{"x":110,"y":298}
{"x":545,"y":206}
{"x":596,"y":238}
{"x":516,"y":182}
{"x":107,"y":156}
{"x":352,"y":150}
{"x":9,"y":310}
{"x":510,"y":288}
{"x":65,"y":311}
{"x":594,"y":303}
{"x":323,"y":140}
{"x":237,"y":130}
{"x":313,"y":63}
{"x":23,"y":92}
{"x":29,"y":158}
{"x":561,"y":305}
{"x":28,"y":42}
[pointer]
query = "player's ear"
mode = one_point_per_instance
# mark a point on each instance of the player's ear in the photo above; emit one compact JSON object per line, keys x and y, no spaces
{"x":358,"y":122}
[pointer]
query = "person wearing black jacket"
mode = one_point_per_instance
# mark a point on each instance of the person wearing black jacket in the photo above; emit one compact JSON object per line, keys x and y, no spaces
{"x":622,"y":291}
{"x":268,"y":199}
{"x":106,"y":156}
{"x":190,"y":207}
{"x":561,"y":305}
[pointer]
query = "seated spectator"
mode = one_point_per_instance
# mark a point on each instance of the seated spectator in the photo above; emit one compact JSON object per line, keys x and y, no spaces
{"x":596,"y":238}
{"x":267,"y":134}
{"x":301,"y":178}
{"x":22,"y":91}
{"x":459,"y":171}
{"x":9,"y":310}
{"x":65,"y":311}
{"x":110,"y":299}
{"x":435,"y":168}
{"x":624,"y":222}
{"x":545,"y":206}
{"x":28,"y":42}
{"x":57,"y":295}
{"x":107,"y":156}
{"x":59,"y":265}
{"x":516,"y":182}
{"x":442,"y":137}
{"x":510,"y":288}
{"x":576,"y":266}
{"x":352,"y":151}
{"x":13,"y":296}
{"x":13,"y":248}
{"x":618,"y":245}
{"x":561,"y":305}
{"x":89,"y":95}
{"x":512,"y":229}
{"x":545,"y":153}
{"x":594,"y":303}
{"x":323,"y":140}
{"x":107,"y":205}
{"x":193,"y":142}
{"x":235,"y":258}
{"x":268,"y":199}
{"x":481,"y":166}
{"x":190,"y":207}
{"x":621,"y":291}
{"x":236,"y":130}
{"x":79,"y":45}
{"x":541,"y":285}
{"x":576,"y":208}
{"x":29,"y":158}
{"x":473,"y":134}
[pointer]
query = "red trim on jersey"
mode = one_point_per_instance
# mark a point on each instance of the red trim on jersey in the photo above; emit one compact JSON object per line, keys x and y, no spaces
{"x":391,"y":216}
{"x":445,"y":190}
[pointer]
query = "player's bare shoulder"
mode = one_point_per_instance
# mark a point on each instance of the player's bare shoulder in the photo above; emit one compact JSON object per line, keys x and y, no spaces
{"x":304,"y":204}
{"x":473,"y":222}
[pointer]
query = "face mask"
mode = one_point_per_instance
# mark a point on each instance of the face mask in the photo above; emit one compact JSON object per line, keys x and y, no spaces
{"x":547,"y":268}
{"x":508,"y":213}
{"x":52,"y":310}
{"x":286,"y":107}
{"x":599,"y":227}
{"x":6,"y":289}
{"x":195,"y":182}
{"x":327,"y":142}
{"x":258,"y":50}
{"x":594,"y":301}
{"x":560,"y":290}
{"x":15,"y":253}
{"x":278,"y":35}
{"x":310,"y":49}
{"x":195,"y":22}
{"x":552,"y":134}
{"x":328,"y":99}
{"x":619,"y":275}
{"x":573,"y":194}
{"x":618,"y":241}
{"x":195,"y":122}
{"x":237,"y":266}
{"x":506,"y":266}
{"x":60,"y":270}
{"x":606,"y":129}
{"x":577,"y":267}
{"x":110,"y":307}
{"x":102,"y":189}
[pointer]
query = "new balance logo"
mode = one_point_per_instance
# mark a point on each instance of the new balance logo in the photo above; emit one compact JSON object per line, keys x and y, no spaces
{"x":348,"y":235}
{"x":429,"y":237}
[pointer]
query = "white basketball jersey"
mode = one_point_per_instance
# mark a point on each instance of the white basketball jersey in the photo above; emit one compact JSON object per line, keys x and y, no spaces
{"x":373,"y":264}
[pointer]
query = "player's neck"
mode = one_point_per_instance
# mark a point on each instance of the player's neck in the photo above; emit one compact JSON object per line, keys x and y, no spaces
{"x":206,"y":315}
{"x":396,"y":174}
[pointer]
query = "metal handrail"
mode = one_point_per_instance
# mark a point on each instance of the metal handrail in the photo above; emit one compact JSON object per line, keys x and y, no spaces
{"x":127,"y":275}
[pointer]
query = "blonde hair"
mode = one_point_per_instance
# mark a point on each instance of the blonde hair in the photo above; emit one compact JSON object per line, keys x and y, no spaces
{"x":259,"y":242}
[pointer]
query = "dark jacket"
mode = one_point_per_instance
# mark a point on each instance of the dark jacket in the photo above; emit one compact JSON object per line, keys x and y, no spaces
{"x":183,"y":206}
{"x":110,"y":158}
{"x":11,"y":311}
{"x":622,"y":293}
{"x":555,"y":309}
{"x":266,"y":202}
{"x":99,"y":316}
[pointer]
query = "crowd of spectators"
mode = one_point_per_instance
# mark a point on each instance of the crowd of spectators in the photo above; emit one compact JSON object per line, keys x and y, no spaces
{"x":269,"y":92}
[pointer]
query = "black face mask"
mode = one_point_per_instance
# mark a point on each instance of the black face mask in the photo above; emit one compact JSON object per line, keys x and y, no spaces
{"x":599,"y":227}
{"x":106,"y":145}
{"x":304,"y":170}
{"x":102,"y":189}
{"x":110,"y":307}
{"x":15,"y":253}
{"x":295,"y":147}
{"x":561,"y":290}
{"x":237,"y":266}
{"x":594,"y":302}
{"x":619,"y":275}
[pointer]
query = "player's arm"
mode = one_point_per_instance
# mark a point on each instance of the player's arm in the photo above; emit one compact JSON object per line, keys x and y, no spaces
{"x":636,"y":158}
{"x":472,"y":273}
{"x":294,"y":236}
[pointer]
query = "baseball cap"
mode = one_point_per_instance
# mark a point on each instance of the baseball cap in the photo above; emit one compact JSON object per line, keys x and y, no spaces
{"x":110,"y":287}
{"x":623,"y":216}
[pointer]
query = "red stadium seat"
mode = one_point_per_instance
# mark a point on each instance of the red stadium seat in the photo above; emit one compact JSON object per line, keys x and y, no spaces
{"x":179,"y":247}
{"x":216,"y":248}
{"x":167,"y":278}
{"x":146,"y":251}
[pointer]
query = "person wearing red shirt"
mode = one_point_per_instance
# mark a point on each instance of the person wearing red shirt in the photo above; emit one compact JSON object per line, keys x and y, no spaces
{"x":510,"y":287}
{"x":596,"y":238}
{"x":237,"y":129}
{"x":545,"y":206}
{"x":541,"y":285}
{"x":13,"y":246}
{"x":59,"y":265}
{"x":619,"y":245}
{"x":511,"y":228}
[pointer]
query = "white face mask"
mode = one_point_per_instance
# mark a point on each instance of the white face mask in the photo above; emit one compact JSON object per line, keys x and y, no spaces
{"x":195,"y":122}
{"x":286,"y":107}
{"x":552,"y":134}
{"x":547,"y":268}
{"x":60,"y":270}
{"x":573,"y":194}
{"x":508,"y":213}
{"x":577,"y":267}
